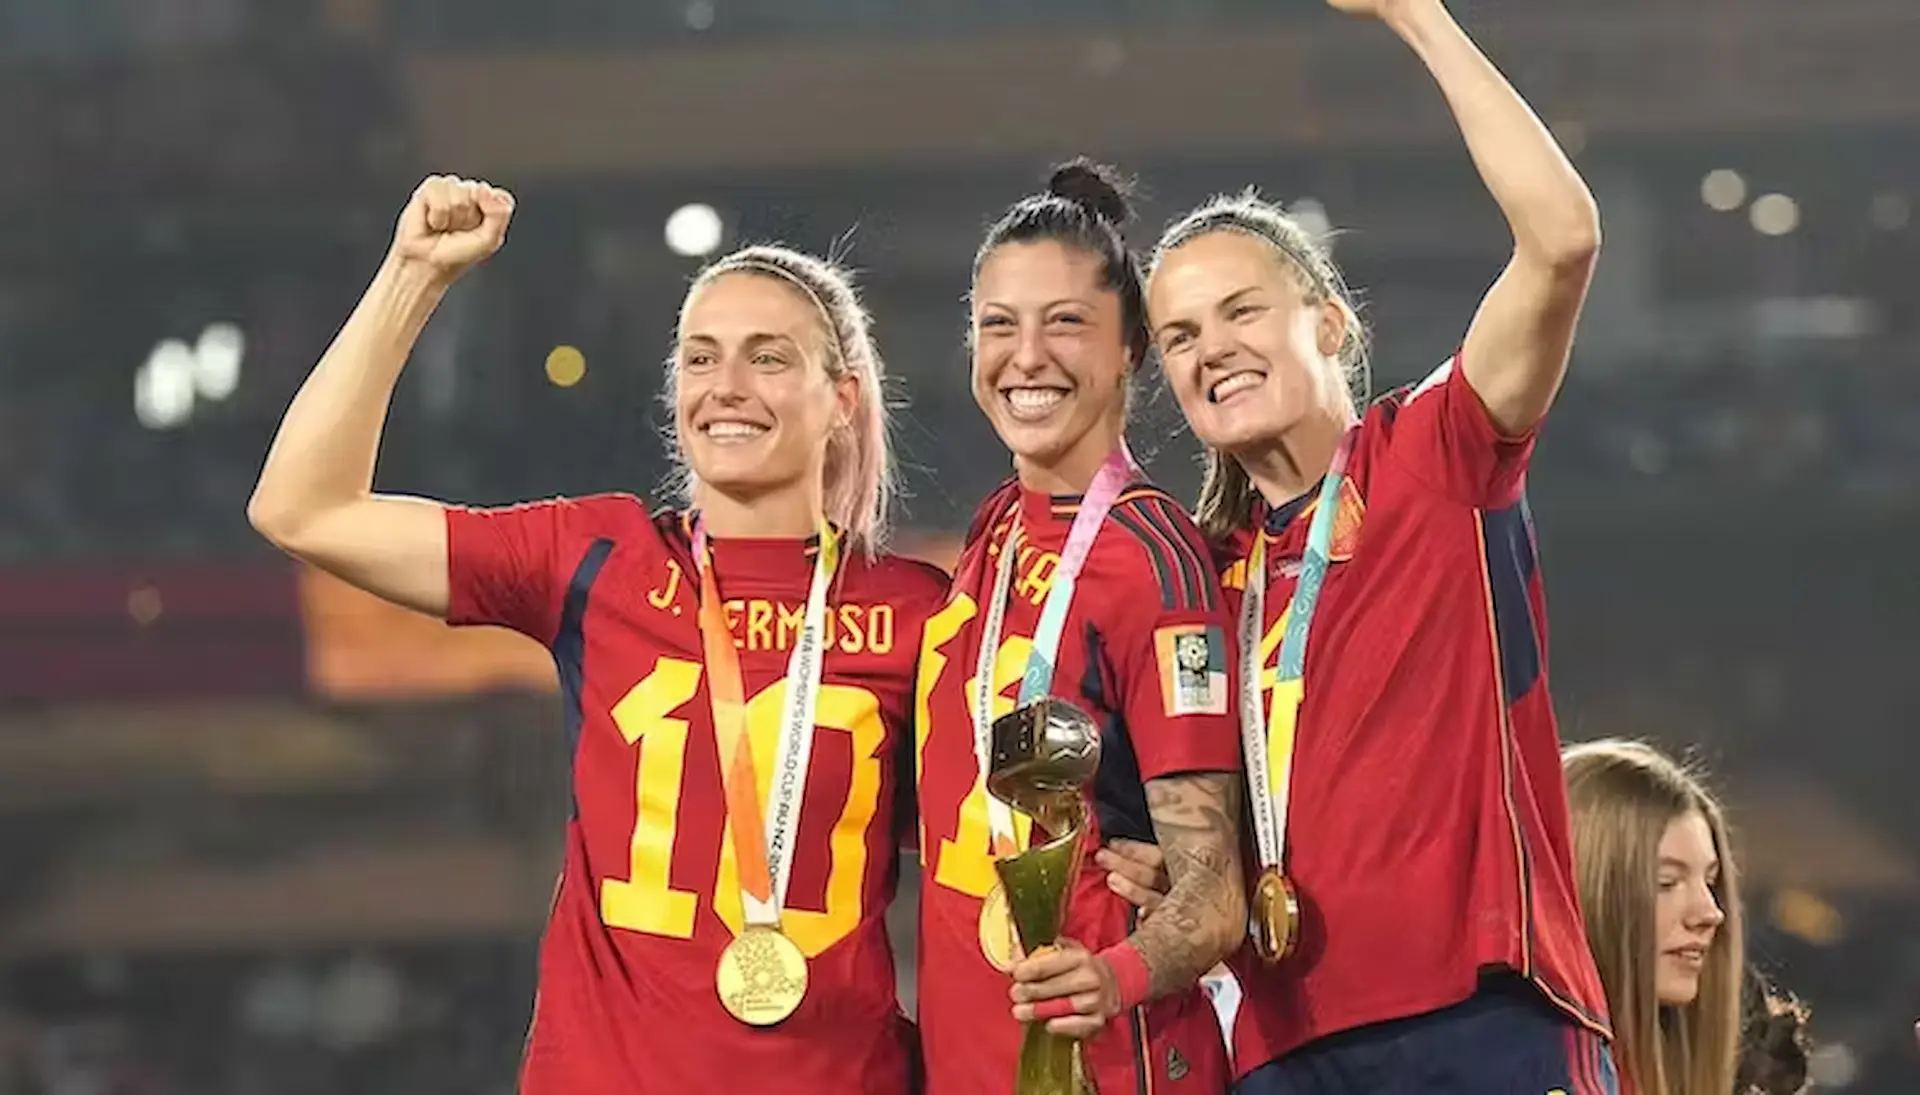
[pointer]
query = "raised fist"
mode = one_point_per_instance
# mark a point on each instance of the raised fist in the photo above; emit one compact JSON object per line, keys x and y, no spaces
{"x":450,"y":224}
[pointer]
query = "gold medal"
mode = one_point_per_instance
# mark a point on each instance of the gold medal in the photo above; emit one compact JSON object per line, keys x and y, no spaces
{"x":1276,"y":916}
{"x":998,"y":939}
{"x":762,"y":976}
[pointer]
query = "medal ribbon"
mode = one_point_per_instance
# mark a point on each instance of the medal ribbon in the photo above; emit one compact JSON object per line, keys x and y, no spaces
{"x":1268,"y":742}
{"x":1037,"y":679}
{"x":764,"y":852}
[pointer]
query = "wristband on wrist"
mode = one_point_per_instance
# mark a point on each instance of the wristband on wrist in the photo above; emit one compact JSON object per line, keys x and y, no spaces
{"x":1130,"y":973}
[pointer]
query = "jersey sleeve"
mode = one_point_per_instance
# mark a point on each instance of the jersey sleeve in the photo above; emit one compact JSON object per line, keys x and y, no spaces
{"x":1443,"y":437}
{"x":510,"y":566}
{"x":1172,"y":646}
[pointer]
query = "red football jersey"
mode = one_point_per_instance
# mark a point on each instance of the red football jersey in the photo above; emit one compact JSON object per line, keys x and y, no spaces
{"x":1146,"y":583}
{"x":647,"y":897}
{"x":1428,"y":832}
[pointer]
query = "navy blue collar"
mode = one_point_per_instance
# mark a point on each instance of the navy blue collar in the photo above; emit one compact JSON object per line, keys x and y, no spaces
{"x":1277,"y":518}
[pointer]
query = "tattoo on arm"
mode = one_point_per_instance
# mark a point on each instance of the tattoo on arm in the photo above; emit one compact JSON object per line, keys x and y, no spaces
{"x":1196,"y":818}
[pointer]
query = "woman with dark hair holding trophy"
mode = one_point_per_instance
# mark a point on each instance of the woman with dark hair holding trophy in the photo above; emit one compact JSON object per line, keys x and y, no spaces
{"x":1088,"y":594}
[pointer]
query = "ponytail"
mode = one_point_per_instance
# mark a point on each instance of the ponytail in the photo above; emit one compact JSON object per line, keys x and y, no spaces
{"x":1227,"y":497}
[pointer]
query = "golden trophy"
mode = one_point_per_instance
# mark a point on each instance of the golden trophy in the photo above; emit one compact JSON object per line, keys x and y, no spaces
{"x":1044,"y":756}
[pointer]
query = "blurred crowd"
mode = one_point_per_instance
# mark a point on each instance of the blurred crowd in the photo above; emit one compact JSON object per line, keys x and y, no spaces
{"x":428,"y":1020}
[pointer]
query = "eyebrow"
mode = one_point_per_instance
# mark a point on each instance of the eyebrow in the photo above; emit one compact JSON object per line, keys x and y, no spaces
{"x":1681,"y":864}
{"x":756,"y":339}
{"x":1234,"y":296}
{"x":1225,"y":302}
{"x":1048,"y":306}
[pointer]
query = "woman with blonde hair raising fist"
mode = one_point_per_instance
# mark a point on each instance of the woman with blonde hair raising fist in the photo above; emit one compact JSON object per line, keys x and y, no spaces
{"x":714,"y":927}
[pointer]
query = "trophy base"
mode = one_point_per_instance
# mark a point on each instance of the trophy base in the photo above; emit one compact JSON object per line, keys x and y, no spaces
{"x":1050,"y":1065}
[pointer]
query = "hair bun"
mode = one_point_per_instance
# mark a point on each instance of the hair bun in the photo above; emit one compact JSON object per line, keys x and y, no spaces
{"x":1094,"y":187}
{"x":1775,"y":1043}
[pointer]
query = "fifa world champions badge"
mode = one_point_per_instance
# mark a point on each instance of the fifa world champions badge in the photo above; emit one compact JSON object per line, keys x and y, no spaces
{"x":1193,"y":669}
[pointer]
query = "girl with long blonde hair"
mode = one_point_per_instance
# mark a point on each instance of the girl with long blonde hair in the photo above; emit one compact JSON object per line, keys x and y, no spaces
{"x":1661,"y":897}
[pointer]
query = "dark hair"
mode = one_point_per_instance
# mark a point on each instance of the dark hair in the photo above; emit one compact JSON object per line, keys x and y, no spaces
{"x":1084,"y":206}
{"x":1227,"y":493}
{"x":1773,"y":1041}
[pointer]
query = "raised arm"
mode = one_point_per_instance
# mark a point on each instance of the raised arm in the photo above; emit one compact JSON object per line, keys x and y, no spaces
{"x":1515,"y":355}
{"x":315,"y":499}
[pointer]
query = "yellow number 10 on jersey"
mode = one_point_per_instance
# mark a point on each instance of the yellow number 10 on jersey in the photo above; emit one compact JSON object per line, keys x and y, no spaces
{"x":646,"y":901}
{"x":965,"y":863}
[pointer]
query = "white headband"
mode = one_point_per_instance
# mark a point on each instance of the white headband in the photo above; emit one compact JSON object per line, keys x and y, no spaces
{"x":754,"y":265}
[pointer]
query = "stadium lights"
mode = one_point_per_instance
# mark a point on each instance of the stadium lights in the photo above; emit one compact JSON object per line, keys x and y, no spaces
{"x":1890,"y":211}
{"x":566,"y":366}
{"x":1311,"y":215}
{"x":694,"y":230}
{"x":176,"y":376}
{"x":1571,"y":135}
{"x":1833,"y":1066}
{"x":1774,"y":214}
{"x":1723,"y":190}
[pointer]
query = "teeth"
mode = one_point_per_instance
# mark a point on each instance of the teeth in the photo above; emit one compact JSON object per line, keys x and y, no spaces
{"x":1235,"y":383}
{"x":733,"y":431}
{"x":1034,"y":402}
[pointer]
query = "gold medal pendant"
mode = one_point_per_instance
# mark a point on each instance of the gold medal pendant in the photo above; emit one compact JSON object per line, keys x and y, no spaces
{"x":998,"y":940}
{"x":762,"y":976}
{"x":1276,"y":916}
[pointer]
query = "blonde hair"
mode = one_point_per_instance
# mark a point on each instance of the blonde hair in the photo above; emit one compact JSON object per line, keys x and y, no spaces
{"x":1623,"y":795}
{"x":1227,"y":493}
{"x":858,"y":481}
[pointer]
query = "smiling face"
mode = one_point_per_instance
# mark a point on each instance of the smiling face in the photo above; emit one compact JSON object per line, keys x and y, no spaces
{"x":754,"y":405}
{"x":1050,"y":361}
{"x":1686,"y":908}
{"x":1246,"y":351}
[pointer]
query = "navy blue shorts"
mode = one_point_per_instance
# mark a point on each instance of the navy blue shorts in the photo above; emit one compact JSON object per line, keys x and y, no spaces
{"x":1505,"y":1040}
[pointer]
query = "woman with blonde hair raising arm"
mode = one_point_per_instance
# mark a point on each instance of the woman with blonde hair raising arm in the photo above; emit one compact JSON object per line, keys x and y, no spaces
{"x":714,"y":928}
{"x":1412,"y":886}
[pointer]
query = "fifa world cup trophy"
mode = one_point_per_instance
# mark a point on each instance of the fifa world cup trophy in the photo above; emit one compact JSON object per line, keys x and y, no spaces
{"x":1044,"y":756}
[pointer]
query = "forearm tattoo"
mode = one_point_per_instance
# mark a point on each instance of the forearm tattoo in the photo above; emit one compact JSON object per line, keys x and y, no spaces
{"x":1204,"y":915}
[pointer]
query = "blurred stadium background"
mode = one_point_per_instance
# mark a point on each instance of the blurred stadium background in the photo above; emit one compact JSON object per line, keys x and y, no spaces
{"x":258,"y":834}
